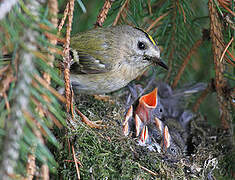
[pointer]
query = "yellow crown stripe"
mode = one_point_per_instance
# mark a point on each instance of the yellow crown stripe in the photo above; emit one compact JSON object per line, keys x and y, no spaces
{"x":147,"y":35}
{"x":150,"y":37}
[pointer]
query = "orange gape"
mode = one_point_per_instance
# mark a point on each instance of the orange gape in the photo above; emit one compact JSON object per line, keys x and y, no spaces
{"x":147,"y":103}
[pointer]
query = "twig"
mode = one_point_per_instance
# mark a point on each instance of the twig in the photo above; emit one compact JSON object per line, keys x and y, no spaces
{"x":225,"y":7}
{"x":156,"y":21}
{"x":76,"y":163}
{"x":31,"y":165}
{"x":201,"y":98}
{"x":71,"y":104}
{"x":46,"y":112}
{"x":4,"y":69}
{"x":220,"y":82}
{"x":120,"y":12}
{"x":149,"y":7}
{"x":48,"y":87}
{"x":229,"y":61}
{"x":7,"y":102}
{"x":87,"y":121}
{"x":182,"y":9}
{"x":103,"y":13}
{"x":45,"y":172}
{"x":64,"y":18}
{"x":53,"y":11}
{"x":226,"y":48}
{"x":67,"y":88}
{"x":233,"y":58}
{"x":149,"y":171}
{"x":37,"y":129}
{"x":222,"y":44}
{"x":6,"y":79}
{"x":186,"y":61}
{"x":67,"y":58}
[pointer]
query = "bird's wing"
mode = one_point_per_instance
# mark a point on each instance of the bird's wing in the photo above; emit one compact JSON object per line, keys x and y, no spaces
{"x":90,"y":54}
{"x":87,"y":64}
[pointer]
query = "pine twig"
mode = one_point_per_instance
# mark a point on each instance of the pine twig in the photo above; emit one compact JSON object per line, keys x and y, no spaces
{"x":201,"y":98}
{"x":45,"y":172}
{"x":87,"y":121}
{"x":226,"y":48}
{"x":53,"y":11}
{"x":103,"y":13}
{"x":224,"y":5}
{"x":7,"y":77}
{"x":45,"y":84}
{"x":182,"y":9}
{"x":7,"y":102}
{"x":186,"y":61}
{"x":31,"y":165}
{"x":76,"y":162}
{"x":156,"y":21}
{"x":147,"y":170}
{"x":67,"y":60}
{"x":120,"y":12}
{"x":220,"y":82}
{"x":149,"y":7}
{"x":66,"y":11}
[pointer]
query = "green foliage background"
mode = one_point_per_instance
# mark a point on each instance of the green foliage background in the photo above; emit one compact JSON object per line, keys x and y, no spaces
{"x":175,"y":34}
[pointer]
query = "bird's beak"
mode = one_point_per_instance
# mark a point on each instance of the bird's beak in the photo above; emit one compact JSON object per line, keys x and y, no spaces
{"x":147,"y":103}
{"x":159,"y":125}
{"x":144,"y":136}
{"x":161,"y":63}
{"x":125,"y":124}
{"x":138,"y":125}
{"x":166,"y":138}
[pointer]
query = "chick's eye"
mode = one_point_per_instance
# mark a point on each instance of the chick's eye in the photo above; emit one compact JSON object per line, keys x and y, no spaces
{"x":141,"y":45}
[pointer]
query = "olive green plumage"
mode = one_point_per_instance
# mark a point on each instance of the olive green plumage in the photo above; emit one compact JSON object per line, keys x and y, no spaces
{"x":107,"y":59}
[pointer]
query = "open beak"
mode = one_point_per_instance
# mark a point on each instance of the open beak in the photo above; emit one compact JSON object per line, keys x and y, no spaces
{"x":146,"y":104}
{"x":125,"y":124}
{"x":166,"y":139}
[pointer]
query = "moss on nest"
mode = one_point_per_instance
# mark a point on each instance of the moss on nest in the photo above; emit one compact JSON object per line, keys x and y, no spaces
{"x":106,"y":153}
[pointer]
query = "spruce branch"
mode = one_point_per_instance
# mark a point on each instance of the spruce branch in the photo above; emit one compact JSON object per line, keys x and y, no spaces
{"x":16,"y":122}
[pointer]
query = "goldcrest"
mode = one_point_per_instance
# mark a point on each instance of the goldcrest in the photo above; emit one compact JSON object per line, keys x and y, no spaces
{"x":107,"y":59}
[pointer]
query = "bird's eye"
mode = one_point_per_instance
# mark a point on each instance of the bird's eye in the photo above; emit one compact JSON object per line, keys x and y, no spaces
{"x":141,"y":45}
